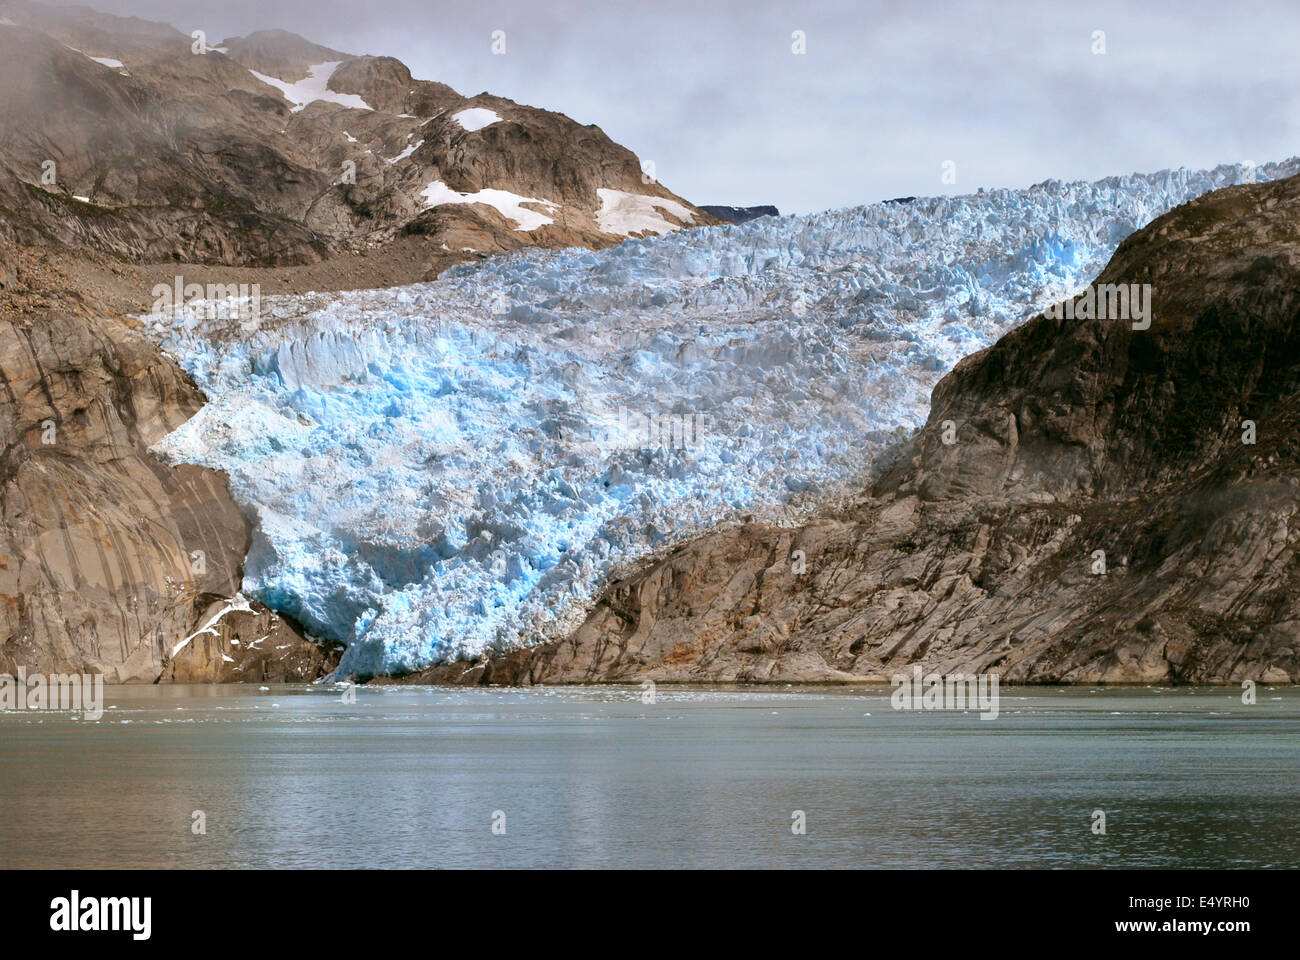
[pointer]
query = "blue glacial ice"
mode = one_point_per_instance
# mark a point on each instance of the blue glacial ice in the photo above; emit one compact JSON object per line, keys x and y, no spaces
{"x":453,"y":467}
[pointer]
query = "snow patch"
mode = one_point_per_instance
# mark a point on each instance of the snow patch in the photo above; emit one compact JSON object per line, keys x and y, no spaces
{"x":510,"y":205}
{"x":405,"y":153}
{"x":237,"y":602}
{"x":476,"y":118}
{"x":105,"y":61}
{"x":625,"y":213}
{"x":314,"y":87}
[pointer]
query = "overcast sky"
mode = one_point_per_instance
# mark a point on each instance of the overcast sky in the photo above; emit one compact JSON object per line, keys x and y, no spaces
{"x":712,"y":93}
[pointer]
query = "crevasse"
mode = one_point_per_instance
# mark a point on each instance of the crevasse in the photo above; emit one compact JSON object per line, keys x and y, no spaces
{"x":446,"y":468}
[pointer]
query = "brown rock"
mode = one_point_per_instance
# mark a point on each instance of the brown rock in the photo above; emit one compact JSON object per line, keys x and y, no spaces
{"x":107,"y":556}
{"x":254,"y":645}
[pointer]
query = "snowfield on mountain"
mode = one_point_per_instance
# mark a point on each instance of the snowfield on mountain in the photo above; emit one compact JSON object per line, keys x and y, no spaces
{"x":455,"y":467}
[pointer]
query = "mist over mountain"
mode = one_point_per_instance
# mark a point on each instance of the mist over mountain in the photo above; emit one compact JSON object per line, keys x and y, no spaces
{"x":134,"y":139}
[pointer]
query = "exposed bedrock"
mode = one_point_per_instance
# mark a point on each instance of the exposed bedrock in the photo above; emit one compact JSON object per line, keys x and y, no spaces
{"x":108,"y":558}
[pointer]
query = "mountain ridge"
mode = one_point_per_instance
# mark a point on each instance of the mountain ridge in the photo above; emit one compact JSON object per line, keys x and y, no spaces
{"x":134,"y":139}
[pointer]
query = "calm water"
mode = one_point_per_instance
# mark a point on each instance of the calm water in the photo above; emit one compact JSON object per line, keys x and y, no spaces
{"x":707,"y":777}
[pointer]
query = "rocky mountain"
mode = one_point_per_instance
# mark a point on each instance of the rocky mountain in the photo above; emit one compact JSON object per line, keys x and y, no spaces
{"x":132,"y":138}
{"x":1087,"y":502}
{"x":561,"y":453}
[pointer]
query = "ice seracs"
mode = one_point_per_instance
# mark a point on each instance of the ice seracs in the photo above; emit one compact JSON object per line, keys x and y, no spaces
{"x":447,"y":467}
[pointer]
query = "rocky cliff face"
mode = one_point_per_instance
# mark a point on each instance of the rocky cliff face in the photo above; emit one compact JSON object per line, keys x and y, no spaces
{"x":1088,"y":502}
{"x":108,"y":558}
{"x":131,"y":138}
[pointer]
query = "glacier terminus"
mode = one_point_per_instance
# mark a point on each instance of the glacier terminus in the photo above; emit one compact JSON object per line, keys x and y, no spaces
{"x":455,"y":467}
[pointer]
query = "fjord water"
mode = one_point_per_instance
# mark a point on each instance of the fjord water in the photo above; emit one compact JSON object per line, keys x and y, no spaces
{"x":293,"y":776}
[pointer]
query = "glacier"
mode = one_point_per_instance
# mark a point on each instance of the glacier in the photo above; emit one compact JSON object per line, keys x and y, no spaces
{"x":455,"y":467}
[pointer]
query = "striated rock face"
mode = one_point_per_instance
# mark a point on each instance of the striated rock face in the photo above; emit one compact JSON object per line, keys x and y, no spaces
{"x":108,"y":558}
{"x":1096,"y":517}
{"x":119,"y":136}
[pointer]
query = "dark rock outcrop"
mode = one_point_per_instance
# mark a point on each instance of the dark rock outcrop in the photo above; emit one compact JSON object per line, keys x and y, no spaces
{"x":740,"y":214}
{"x":236,"y":641}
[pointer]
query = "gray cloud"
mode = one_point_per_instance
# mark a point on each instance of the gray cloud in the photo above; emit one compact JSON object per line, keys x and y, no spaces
{"x":711,"y":92}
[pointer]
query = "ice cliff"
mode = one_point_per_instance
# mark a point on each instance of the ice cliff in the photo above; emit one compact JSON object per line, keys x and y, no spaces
{"x":449,"y":467}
